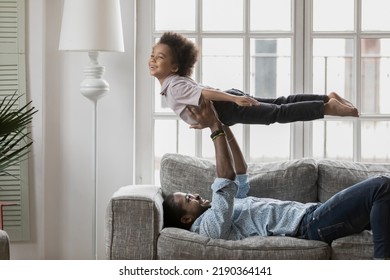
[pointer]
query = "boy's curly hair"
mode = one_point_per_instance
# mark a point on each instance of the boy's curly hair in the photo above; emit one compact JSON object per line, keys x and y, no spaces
{"x":184,"y":52}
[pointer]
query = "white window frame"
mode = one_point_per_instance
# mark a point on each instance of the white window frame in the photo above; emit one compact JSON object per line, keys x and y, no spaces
{"x":144,"y":109}
{"x":301,"y":132}
{"x":356,"y":35}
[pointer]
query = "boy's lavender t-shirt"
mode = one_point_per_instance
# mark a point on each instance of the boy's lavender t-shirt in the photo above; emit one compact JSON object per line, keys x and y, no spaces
{"x":179,"y":92}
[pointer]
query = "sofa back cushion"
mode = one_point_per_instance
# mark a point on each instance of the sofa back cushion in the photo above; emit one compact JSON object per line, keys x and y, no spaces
{"x":294,"y":180}
{"x":288,"y":180}
{"x":335,"y":175}
{"x":180,"y":173}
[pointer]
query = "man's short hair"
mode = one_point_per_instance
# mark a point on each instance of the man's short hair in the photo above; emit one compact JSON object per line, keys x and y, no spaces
{"x":173,"y":213}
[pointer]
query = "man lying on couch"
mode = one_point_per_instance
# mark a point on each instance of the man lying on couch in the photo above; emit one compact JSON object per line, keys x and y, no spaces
{"x":233,"y":215}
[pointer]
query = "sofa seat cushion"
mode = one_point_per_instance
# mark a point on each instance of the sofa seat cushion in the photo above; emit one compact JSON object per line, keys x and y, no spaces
{"x":353,"y":247}
{"x":176,"y":243}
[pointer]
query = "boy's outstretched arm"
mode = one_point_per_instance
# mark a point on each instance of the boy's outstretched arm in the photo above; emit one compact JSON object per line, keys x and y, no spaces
{"x":217,"y":95}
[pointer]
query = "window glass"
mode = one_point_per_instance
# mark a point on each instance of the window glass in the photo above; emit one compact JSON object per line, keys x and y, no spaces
{"x":269,"y":143}
{"x":327,"y":142}
{"x":222,"y":63}
{"x":375,"y":77}
{"x":272,"y":15}
{"x":270,"y":67}
{"x":333,"y":15}
{"x":375,"y":15}
{"x":333,"y":67}
{"x":172,"y":136}
{"x":375,"y":141}
{"x":175,"y":15}
{"x":229,"y":15}
{"x":165,"y":140}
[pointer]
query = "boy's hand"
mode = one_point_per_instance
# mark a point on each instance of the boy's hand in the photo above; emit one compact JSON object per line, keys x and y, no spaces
{"x":246,"y":100}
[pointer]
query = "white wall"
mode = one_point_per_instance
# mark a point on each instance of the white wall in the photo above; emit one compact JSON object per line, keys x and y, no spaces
{"x":61,"y":163}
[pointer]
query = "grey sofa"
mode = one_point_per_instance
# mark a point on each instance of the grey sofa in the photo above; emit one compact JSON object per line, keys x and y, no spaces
{"x":134,"y":225}
{"x":4,"y":245}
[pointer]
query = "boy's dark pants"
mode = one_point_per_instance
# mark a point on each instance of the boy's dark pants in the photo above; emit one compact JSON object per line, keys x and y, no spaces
{"x":298,"y":107}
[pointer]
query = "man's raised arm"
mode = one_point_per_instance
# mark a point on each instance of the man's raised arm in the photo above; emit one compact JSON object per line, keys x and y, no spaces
{"x":206,"y":116}
{"x":238,"y":158}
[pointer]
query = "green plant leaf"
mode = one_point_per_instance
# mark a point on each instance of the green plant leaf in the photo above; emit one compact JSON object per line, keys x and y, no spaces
{"x":14,"y":140}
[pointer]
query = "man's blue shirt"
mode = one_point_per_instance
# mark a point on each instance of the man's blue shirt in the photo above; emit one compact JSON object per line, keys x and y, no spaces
{"x":234,"y":215}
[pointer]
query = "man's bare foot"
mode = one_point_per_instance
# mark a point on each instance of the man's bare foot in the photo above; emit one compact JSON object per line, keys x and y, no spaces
{"x":340,"y":99}
{"x":336,"y":108}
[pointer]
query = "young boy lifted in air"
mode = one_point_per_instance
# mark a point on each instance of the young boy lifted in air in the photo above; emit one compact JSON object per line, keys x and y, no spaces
{"x":172,"y":62}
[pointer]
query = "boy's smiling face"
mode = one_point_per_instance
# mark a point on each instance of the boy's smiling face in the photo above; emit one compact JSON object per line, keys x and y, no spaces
{"x":161,"y":63}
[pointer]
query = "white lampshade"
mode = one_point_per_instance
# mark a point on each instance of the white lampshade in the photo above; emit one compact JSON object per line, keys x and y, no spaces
{"x":91,"y":25}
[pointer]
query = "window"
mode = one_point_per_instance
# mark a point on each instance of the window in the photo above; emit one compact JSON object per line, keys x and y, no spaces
{"x":14,"y":187}
{"x":351,"y":55}
{"x":273,"y":48}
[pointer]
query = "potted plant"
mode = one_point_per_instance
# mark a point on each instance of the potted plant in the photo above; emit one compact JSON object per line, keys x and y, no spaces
{"x":14,"y":138}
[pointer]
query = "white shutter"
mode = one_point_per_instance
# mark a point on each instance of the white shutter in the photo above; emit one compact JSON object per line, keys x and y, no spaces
{"x":14,"y":187}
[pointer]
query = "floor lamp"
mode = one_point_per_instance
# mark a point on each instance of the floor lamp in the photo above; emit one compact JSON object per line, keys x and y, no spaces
{"x":92,"y":26}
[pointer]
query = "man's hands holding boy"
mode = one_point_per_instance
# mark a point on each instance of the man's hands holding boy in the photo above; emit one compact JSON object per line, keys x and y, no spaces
{"x":204,"y":114}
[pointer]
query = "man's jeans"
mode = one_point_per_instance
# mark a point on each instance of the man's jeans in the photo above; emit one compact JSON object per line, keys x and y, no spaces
{"x":365,"y":205}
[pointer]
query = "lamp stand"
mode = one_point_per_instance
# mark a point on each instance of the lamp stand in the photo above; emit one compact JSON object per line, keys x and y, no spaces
{"x":94,"y":87}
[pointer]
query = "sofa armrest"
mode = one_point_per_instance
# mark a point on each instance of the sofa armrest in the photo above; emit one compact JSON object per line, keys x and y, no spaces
{"x":4,"y":245}
{"x":134,"y":219}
